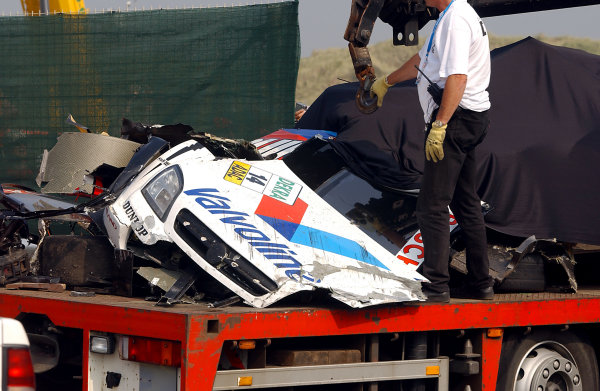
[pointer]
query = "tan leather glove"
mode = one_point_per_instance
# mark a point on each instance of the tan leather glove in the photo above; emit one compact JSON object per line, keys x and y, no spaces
{"x":434,"y":146}
{"x":380,"y":88}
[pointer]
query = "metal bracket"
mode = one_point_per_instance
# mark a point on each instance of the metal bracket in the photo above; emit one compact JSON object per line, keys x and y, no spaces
{"x":410,"y":33}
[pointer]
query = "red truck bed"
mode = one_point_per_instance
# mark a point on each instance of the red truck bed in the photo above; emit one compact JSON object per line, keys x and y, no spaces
{"x":202,"y":330}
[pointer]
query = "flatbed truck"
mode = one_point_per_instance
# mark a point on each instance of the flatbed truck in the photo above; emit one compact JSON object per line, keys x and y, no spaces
{"x":521,"y":341}
{"x":548,"y":339}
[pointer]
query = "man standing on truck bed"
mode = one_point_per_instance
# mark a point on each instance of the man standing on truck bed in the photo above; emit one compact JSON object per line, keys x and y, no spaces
{"x":456,"y":57}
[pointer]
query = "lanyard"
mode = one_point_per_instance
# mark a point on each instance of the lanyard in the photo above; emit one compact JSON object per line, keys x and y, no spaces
{"x":435,"y":28}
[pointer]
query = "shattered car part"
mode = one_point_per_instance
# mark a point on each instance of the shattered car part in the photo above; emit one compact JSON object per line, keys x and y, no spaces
{"x":256,"y":228}
{"x":264,"y":229}
{"x":78,"y":260}
{"x":164,"y":279}
{"x":13,"y":266}
{"x":76,"y":155}
{"x":23,"y":199}
{"x":252,"y":225}
{"x":535,"y":265}
{"x":281,"y":142}
{"x":177,"y":291}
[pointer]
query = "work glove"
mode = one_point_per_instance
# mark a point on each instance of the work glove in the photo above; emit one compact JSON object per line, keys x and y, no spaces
{"x":434,"y":146}
{"x":380,"y":88}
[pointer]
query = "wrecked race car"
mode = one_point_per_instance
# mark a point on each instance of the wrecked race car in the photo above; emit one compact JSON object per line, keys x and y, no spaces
{"x":205,"y":207}
{"x":213,"y":220}
{"x":298,"y":211}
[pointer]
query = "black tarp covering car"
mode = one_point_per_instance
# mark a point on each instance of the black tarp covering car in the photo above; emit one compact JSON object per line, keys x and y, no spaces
{"x":538,"y":166}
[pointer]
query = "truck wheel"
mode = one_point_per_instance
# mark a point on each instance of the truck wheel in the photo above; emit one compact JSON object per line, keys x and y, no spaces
{"x":547,"y":361}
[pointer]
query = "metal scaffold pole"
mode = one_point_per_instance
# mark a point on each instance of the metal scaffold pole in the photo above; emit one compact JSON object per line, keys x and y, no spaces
{"x":44,"y":7}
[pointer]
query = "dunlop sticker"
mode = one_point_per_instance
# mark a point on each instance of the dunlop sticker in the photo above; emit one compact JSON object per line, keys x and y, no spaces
{"x":262,"y":181}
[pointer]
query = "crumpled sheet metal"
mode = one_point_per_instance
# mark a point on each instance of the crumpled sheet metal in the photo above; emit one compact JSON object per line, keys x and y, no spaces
{"x":163,"y":279}
{"x":76,"y":155}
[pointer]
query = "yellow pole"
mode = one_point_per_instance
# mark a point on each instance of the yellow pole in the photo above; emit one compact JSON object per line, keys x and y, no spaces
{"x":54,"y":6}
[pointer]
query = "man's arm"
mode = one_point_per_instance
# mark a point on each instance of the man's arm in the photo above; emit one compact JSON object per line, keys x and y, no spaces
{"x":453,"y":92}
{"x":406,"y":71}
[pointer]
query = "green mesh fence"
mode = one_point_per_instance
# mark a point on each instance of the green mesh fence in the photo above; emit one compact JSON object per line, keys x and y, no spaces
{"x":228,"y":71}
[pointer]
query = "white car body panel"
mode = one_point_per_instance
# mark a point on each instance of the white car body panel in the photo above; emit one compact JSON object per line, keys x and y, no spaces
{"x":413,"y":253}
{"x":267,"y":215}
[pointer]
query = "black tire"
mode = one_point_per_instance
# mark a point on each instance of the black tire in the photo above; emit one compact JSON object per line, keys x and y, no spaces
{"x":554,"y":360}
{"x":529,"y":276}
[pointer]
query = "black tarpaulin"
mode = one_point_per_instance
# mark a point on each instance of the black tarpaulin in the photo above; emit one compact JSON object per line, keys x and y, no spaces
{"x":539,"y":164}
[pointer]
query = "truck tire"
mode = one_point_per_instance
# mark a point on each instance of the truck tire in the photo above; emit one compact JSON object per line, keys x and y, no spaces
{"x":545,"y":360}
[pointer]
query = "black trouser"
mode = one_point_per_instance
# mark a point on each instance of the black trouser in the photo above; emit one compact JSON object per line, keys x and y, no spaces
{"x":452,"y":182}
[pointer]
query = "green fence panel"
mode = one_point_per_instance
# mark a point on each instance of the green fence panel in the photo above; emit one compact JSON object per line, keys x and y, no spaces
{"x":230,"y":71}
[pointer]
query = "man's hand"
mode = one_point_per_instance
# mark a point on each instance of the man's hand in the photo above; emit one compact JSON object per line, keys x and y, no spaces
{"x":380,"y":88}
{"x":298,"y":114}
{"x":434,"y":146}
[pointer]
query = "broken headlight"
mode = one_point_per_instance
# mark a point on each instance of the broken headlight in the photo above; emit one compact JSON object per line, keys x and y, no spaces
{"x":161,"y":191}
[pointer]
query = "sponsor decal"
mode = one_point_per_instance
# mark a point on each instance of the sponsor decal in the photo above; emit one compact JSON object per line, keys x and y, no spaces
{"x":237,"y":172}
{"x":109,"y":218}
{"x":136,"y":224}
{"x":280,"y":254}
{"x":413,"y":252}
{"x":263,"y":182}
{"x":283,"y":190}
{"x":164,"y":161}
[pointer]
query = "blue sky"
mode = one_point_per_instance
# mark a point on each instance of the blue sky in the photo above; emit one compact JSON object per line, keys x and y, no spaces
{"x":323,"y":22}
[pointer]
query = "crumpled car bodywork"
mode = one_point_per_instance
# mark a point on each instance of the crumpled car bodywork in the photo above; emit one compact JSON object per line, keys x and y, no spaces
{"x":260,"y":221}
{"x":256,"y":228}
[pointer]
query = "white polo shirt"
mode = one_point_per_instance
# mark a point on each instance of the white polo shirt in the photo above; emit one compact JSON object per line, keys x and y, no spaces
{"x":460,"y":46}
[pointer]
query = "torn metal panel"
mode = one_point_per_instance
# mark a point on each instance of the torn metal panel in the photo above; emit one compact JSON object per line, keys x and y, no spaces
{"x":535,"y":265}
{"x":76,"y":155}
{"x":164,"y":279}
{"x":26,"y":200}
{"x":139,"y":132}
{"x":177,"y":291}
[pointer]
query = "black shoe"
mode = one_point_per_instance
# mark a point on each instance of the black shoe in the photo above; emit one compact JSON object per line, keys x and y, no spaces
{"x":436,"y":297}
{"x":474,"y":293}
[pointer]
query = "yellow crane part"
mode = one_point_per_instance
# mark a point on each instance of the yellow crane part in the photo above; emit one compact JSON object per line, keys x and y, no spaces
{"x":53,"y":6}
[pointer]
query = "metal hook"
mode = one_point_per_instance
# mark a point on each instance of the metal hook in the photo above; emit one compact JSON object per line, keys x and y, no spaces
{"x":365,"y":103}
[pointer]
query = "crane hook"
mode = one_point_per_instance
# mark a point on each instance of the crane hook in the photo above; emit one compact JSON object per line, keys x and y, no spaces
{"x":366,"y":103}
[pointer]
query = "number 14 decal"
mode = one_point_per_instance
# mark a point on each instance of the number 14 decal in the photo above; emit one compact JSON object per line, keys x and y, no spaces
{"x":255,"y":178}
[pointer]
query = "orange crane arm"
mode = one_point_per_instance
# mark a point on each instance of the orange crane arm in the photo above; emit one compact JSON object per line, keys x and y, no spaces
{"x":53,"y":6}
